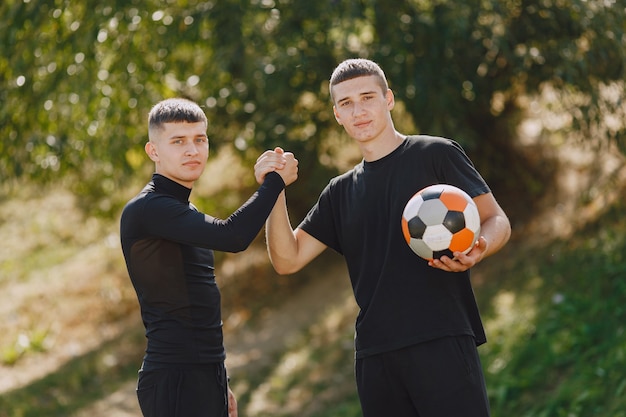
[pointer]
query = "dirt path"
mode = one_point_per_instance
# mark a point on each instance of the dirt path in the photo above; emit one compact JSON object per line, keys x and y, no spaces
{"x":251,"y":348}
{"x":59,"y":314}
{"x":86,"y":300}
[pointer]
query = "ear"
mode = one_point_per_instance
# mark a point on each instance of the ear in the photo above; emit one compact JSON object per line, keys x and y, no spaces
{"x":337,"y":115}
{"x":151,"y":151}
{"x":391,"y":100}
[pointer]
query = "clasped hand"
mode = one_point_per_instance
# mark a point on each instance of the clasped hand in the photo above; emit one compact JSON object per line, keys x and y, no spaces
{"x":284,"y":163}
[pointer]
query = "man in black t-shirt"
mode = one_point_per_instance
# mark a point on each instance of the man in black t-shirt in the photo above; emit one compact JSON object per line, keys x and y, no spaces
{"x":418,"y":325}
{"x":168,"y":247}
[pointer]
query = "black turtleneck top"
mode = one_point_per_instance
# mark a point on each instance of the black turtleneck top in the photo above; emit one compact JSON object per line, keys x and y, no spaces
{"x":168,"y":247}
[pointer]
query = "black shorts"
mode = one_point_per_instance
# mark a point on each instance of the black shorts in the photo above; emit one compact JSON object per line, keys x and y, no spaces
{"x":183,"y":391}
{"x":440,"y":378}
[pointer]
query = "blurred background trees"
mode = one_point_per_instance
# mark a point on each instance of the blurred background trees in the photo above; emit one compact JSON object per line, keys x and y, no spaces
{"x":516,"y":82}
{"x":78,"y":78}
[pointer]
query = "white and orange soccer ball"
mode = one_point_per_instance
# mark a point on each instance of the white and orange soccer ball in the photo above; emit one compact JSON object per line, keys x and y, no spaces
{"x":439,"y":220}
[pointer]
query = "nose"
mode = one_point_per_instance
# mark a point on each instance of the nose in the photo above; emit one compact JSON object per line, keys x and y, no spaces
{"x":192,"y":149}
{"x":357,"y":109}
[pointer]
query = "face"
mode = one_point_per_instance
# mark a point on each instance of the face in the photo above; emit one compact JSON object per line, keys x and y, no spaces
{"x":362,"y":108}
{"x":180,"y":151}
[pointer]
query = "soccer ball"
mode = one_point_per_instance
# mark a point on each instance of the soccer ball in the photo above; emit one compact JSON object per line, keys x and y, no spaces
{"x":439,"y":220}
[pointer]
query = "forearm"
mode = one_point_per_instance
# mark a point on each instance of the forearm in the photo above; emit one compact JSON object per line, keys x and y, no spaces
{"x":496,"y":231}
{"x":246,"y":223}
{"x":282,"y":244}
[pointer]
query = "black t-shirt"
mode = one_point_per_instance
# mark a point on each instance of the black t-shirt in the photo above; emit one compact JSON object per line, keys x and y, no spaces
{"x":168,"y":247}
{"x":402,"y":300}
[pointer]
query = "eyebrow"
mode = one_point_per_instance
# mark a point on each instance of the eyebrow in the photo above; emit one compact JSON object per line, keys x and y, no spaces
{"x":204,"y":135}
{"x":365,"y":93}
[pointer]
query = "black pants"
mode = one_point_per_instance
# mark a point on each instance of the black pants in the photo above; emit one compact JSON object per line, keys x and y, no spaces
{"x":440,"y":378}
{"x":183,"y":391}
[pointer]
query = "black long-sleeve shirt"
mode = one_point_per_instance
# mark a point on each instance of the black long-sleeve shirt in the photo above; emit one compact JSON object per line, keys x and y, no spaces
{"x":168,"y":247}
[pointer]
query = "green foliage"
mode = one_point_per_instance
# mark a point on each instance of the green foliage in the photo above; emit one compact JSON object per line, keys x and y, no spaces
{"x":473,"y":61}
{"x":33,"y":342}
{"x":565,"y":354}
{"x":78,"y":78}
{"x":466,"y":70}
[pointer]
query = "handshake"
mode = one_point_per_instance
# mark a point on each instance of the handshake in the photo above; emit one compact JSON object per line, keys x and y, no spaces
{"x":283,"y":163}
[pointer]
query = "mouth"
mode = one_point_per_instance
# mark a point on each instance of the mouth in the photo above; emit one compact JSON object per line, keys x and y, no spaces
{"x":192,"y":164}
{"x":362,"y":124}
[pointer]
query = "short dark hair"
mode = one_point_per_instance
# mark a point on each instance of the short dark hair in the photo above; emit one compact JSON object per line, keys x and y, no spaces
{"x":175,"y":110}
{"x":358,"y":67}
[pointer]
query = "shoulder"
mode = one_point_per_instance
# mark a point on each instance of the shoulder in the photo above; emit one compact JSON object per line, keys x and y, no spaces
{"x":148,"y":202}
{"x":347,"y":177}
{"x":427,"y":142}
{"x":428,"y":147}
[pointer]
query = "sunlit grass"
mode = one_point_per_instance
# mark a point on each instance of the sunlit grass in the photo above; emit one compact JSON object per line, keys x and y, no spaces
{"x":78,"y":382}
{"x":555,"y":314}
{"x":556,"y":325}
{"x":34,"y":340}
{"x":562,"y":353}
{"x":313,"y":373}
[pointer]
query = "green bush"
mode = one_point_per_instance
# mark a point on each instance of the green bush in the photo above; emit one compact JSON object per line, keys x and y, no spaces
{"x":562,"y":351}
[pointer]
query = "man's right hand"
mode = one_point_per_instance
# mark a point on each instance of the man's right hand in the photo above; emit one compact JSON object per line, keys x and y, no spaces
{"x":283,"y":163}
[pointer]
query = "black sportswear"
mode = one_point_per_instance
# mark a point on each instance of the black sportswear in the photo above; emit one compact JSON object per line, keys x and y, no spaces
{"x":402,"y":300}
{"x":168,"y":247}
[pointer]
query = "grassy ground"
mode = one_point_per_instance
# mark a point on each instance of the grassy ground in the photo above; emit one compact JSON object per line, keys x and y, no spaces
{"x":565,"y":355}
{"x":554,"y":304}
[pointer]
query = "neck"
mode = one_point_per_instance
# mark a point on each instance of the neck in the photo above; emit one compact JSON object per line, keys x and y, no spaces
{"x":375,"y":150}
{"x":186,"y":184}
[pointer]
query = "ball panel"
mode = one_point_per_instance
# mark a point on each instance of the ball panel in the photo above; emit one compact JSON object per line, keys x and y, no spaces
{"x":432,"y":212}
{"x":462,"y":241}
{"x":454,"y":200}
{"x":405,"y":230}
{"x":421,"y":248}
{"x":454,"y":221}
{"x":472,"y":217}
{"x":437,"y":237}
{"x":412,"y":207}
{"x":431,"y":193}
{"x":438,"y":254}
{"x":416,"y":228}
